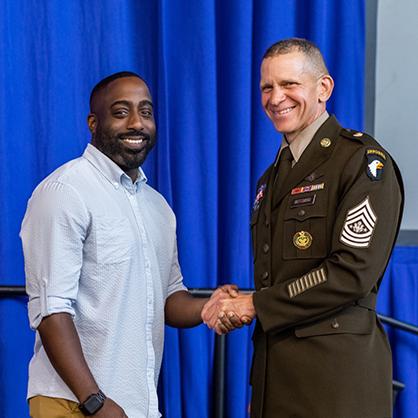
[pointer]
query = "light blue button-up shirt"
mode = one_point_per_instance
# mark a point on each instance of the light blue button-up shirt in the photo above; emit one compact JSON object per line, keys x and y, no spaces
{"x":104,"y":250}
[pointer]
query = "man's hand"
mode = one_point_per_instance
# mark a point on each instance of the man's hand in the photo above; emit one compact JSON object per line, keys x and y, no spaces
{"x":241,"y":307}
{"x":210,"y":309}
{"x":110,"y":409}
{"x":227,"y":309}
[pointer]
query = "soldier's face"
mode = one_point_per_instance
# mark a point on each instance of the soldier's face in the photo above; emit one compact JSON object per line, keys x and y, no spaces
{"x":122,"y":124}
{"x":292,"y":94}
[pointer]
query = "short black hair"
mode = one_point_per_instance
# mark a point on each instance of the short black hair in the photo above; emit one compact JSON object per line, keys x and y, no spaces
{"x":107,"y":80}
{"x":308,"y":48}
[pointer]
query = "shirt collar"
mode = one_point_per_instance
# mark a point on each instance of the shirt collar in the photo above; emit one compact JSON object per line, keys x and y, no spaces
{"x":110,"y":170}
{"x":305,"y":137}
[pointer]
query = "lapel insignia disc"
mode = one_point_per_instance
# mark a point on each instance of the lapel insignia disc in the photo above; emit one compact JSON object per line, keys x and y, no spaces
{"x":306,"y":189}
{"x":259,"y":196}
{"x":359,"y":225}
{"x":325,"y":142}
{"x":302,"y":240}
{"x":375,"y":164}
{"x":311,"y":177}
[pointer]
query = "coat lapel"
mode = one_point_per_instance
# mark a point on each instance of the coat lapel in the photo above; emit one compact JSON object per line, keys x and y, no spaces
{"x":314,"y":155}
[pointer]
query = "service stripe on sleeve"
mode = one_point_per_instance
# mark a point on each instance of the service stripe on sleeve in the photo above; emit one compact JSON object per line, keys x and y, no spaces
{"x":306,"y":282}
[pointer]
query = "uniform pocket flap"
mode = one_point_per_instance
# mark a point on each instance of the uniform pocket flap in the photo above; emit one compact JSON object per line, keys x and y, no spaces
{"x":353,"y":320}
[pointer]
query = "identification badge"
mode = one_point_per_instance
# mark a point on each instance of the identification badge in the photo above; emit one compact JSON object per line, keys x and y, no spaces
{"x":303,"y":201}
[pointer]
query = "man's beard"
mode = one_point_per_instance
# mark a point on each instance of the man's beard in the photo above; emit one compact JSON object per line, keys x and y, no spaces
{"x":112,"y":146}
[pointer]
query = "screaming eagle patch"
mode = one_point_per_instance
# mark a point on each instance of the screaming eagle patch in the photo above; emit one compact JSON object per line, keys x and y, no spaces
{"x":375,"y":164}
{"x":359,"y":225}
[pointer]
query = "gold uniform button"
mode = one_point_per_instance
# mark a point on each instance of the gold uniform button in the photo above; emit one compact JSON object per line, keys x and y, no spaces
{"x":358,"y":134}
{"x":325,"y":142}
{"x":266,"y":248}
{"x":301,"y":213}
{"x":265,"y":275}
{"x":335,"y":324}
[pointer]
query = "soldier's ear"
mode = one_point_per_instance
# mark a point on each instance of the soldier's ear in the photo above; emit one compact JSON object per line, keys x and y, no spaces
{"x":92,"y":122}
{"x":326,"y":85}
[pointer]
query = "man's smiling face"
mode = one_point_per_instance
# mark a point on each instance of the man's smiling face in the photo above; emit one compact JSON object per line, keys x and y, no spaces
{"x":292,"y":93}
{"x":122,"y":123}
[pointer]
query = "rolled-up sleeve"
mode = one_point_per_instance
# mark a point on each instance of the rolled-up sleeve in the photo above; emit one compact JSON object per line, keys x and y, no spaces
{"x":53,"y":232}
{"x":176,"y":278}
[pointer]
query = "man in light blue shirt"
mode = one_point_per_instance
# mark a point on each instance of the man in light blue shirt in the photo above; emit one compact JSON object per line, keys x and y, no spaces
{"x":102,"y":271}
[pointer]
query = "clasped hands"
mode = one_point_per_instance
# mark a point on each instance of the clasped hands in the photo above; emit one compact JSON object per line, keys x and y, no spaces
{"x":228,"y":309}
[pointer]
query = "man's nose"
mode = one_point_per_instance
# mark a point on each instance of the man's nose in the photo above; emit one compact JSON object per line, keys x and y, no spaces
{"x":277,"y":96}
{"x":135,"y":121}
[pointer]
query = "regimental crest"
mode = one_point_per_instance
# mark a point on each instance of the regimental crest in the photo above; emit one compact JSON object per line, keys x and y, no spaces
{"x":302,"y":240}
{"x":375,"y":164}
{"x":259,"y":196}
{"x":359,"y":225}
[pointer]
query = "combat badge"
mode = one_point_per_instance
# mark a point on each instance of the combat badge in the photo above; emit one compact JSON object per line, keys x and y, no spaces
{"x":302,"y":240}
{"x":375,"y":164}
{"x":259,"y":196}
{"x":359,"y":225}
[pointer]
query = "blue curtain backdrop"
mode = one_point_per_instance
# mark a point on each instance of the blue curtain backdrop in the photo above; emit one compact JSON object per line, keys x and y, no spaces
{"x":201,"y":59}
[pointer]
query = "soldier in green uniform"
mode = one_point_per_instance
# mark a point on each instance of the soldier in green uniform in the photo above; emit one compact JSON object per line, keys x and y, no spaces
{"x":324,"y":223}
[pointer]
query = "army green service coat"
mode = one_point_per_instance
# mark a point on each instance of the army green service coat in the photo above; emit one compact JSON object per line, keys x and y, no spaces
{"x":321,"y":245}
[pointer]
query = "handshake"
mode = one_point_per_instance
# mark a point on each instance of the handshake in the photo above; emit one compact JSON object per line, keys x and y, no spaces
{"x":228,"y":309}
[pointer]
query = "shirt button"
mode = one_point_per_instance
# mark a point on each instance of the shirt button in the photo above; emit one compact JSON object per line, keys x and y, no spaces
{"x":265,"y":275}
{"x":335,"y":324}
{"x":301,"y":213}
{"x":266,"y":248}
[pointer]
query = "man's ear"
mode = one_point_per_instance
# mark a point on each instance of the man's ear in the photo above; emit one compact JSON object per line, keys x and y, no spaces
{"x":326,"y":85}
{"x":92,"y":122}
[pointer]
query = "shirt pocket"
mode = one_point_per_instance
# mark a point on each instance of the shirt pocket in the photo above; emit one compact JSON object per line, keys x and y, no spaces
{"x":308,"y":222}
{"x":114,"y":240}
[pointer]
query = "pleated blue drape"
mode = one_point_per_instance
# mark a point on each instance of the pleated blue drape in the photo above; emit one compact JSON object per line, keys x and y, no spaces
{"x":398,"y":298}
{"x":201,"y":59}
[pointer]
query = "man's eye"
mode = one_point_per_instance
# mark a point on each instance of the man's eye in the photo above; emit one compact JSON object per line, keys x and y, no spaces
{"x":266,"y":89}
{"x":146,"y":113}
{"x":120,"y":113}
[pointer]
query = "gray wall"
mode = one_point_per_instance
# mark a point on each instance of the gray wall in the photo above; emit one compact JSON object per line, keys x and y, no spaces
{"x":396,"y":93}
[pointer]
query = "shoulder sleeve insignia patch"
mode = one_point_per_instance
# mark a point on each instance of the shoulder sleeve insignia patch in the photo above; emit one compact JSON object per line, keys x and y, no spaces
{"x":375,"y":163}
{"x":359,"y":225}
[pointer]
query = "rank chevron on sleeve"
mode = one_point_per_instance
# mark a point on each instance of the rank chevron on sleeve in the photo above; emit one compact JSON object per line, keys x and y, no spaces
{"x":359,"y":225}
